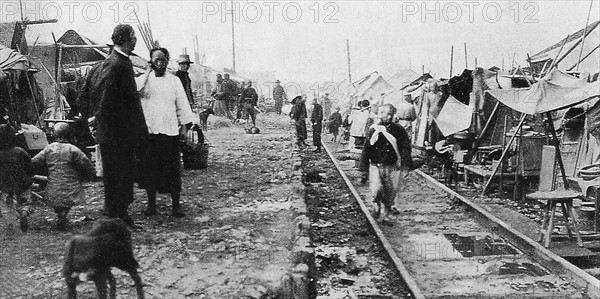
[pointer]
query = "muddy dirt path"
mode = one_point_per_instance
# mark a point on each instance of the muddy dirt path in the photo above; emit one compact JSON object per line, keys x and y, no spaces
{"x":232,"y":244}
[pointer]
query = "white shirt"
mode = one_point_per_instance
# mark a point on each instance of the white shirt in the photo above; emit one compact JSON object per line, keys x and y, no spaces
{"x":165,"y":104}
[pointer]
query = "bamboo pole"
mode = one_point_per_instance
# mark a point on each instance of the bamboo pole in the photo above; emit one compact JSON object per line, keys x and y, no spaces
{"x":584,"y":57}
{"x":485,"y":127}
{"x":35,"y":106}
{"x":554,"y":62}
{"x":573,"y":47}
{"x":512,"y":64}
{"x":584,"y":34}
{"x":348,"y":54}
{"x":466,"y":60}
{"x":501,"y":163}
{"x":504,"y":153}
{"x":451,"y":60}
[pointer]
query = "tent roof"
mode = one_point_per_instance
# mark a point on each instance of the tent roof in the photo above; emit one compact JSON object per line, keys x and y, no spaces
{"x":403,"y":77}
{"x":590,"y":64}
{"x":555,"y":91}
{"x":72,"y":37}
{"x":373,"y":80}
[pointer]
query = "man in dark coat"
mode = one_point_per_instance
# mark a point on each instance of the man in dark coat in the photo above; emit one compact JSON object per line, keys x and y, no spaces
{"x":249,"y":99}
{"x":335,"y":122}
{"x":110,"y":100}
{"x":386,"y":152}
{"x":278,"y":96}
{"x":231,"y":92}
{"x":316,"y":119}
{"x":298,"y":114}
{"x":183,"y":75}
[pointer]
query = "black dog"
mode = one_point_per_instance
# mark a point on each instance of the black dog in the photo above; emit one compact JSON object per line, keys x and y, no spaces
{"x":204,"y":117}
{"x":106,"y":245}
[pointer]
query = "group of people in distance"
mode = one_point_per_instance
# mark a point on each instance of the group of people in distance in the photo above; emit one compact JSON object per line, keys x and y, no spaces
{"x":229,"y":99}
{"x":383,"y":137}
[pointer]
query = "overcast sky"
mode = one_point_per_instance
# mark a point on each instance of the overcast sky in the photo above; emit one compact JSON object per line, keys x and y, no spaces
{"x":306,"y":40}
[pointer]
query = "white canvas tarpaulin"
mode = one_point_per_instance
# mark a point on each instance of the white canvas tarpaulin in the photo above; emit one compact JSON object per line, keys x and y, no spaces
{"x":454,"y":117}
{"x":548,"y":94}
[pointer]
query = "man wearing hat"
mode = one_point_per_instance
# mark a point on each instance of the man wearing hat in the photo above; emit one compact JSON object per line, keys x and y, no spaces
{"x":279,"y":96}
{"x":183,"y":75}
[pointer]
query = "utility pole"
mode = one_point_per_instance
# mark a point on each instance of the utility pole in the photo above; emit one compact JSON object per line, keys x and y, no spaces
{"x":349,"y":69}
{"x":233,"y":32}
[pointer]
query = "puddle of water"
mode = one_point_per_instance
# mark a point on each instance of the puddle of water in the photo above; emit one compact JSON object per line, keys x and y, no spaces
{"x":470,"y":246}
{"x":524,"y":268}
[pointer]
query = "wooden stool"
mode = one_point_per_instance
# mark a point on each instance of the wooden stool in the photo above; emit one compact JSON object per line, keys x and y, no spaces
{"x":552,"y":198}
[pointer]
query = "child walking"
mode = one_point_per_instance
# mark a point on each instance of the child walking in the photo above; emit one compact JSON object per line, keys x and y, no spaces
{"x":67,"y":167}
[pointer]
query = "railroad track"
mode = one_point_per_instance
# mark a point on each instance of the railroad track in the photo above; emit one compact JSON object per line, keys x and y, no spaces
{"x":445,"y":246}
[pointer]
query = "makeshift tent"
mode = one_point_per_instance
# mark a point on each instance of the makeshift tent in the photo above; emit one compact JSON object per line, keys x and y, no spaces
{"x":403,"y":78}
{"x":555,"y":91}
{"x":548,"y":94}
{"x":370,"y":88}
{"x":567,"y":52}
{"x":454,"y":117}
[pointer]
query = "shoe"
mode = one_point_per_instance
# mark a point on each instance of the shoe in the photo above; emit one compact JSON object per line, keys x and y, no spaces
{"x":178,"y":212}
{"x":150,"y":212}
{"x":62,"y":224}
{"x":129,"y":221}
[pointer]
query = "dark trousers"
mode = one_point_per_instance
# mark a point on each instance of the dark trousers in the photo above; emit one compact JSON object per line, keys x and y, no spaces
{"x":301,"y":134}
{"x":118,"y":162}
{"x":317,"y":129}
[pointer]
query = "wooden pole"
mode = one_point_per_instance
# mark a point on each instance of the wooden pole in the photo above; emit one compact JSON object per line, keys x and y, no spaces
{"x":555,"y":62}
{"x":501,"y":163}
{"x":581,"y":60}
{"x":466,"y":60}
{"x":59,"y":66}
{"x":233,"y":32}
{"x":348,"y":54}
{"x":504,"y":153}
{"x":517,"y":184}
{"x":487,"y":124}
{"x":584,"y":34}
{"x":451,"y":60}
{"x":512,"y":64}
{"x":572,"y":48}
{"x":557,"y":149}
